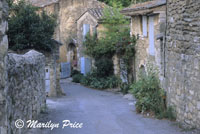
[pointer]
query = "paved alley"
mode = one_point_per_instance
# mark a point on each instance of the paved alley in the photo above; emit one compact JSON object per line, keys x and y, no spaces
{"x":101,"y":112}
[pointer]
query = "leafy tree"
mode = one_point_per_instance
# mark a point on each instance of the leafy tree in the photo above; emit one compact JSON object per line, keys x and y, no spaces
{"x":115,"y":39}
{"x":28,"y":29}
{"x":124,"y":3}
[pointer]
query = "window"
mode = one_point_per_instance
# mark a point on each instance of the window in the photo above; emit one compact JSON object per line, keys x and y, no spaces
{"x":86,"y":30}
{"x":144,"y":26}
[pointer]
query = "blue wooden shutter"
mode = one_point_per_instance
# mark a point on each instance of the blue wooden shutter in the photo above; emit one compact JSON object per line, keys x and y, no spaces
{"x":86,"y":65}
{"x":144,"y":25}
{"x":86,"y":30}
{"x":151,"y":36}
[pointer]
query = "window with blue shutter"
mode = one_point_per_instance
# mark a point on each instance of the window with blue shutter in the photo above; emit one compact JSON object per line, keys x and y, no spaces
{"x":151,"y":36}
{"x":86,"y":30}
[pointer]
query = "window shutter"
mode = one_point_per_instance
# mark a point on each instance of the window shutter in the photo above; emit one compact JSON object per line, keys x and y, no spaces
{"x":144,"y":25}
{"x":86,"y":29}
{"x":151,"y":36}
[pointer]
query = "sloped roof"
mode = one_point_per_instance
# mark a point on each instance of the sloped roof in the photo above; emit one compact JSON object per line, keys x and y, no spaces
{"x":97,"y":13}
{"x":43,"y":3}
{"x":144,"y":6}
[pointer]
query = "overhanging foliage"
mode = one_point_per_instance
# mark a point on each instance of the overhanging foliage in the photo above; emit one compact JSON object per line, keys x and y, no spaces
{"x":28,"y":29}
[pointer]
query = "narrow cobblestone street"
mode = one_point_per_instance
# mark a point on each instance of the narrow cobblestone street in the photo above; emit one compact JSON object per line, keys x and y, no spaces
{"x":101,"y":112}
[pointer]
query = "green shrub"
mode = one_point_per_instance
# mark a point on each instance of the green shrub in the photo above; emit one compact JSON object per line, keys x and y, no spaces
{"x":87,"y":79}
{"x":74,"y":72}
{"x":150,"y":96}
{"x":77,"y":78}
{"x":169,"y":113}
{"x":104,"y":67}
{"x":124,"y":88}
{"x":93,"y":81}
{"x":113,"y":82}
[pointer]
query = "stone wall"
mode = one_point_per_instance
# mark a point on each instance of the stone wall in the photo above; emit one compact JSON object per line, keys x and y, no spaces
{"x":183,"y":59}
{"x":26,"y":95}
{"x":3,"y":62}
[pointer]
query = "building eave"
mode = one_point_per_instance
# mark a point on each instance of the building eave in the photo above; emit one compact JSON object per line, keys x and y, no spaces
{"x":146,"y":8}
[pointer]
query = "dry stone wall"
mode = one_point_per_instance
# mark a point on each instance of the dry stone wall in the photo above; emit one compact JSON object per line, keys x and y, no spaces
{"x":183,"y":59}
{"x":3,"y":57}
{"x":26,"y":95}
{"x":22,"y":83}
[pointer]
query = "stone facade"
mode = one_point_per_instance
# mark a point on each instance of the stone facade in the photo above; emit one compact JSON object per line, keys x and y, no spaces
{"x":3,"y":63}
{"x":92,"y":21}
{"x":67,"y":11}
{"x":183,"y":60}
{"x":145,"y":54}
{"x":26,"y":95}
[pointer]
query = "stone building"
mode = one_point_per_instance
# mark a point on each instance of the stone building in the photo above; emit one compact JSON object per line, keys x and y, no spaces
{"x":88,"y":22}
{"x":91,"y":21}
{"x":148,"y":21}
{"x":67,"y":12}
{"x":183,"y":60}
